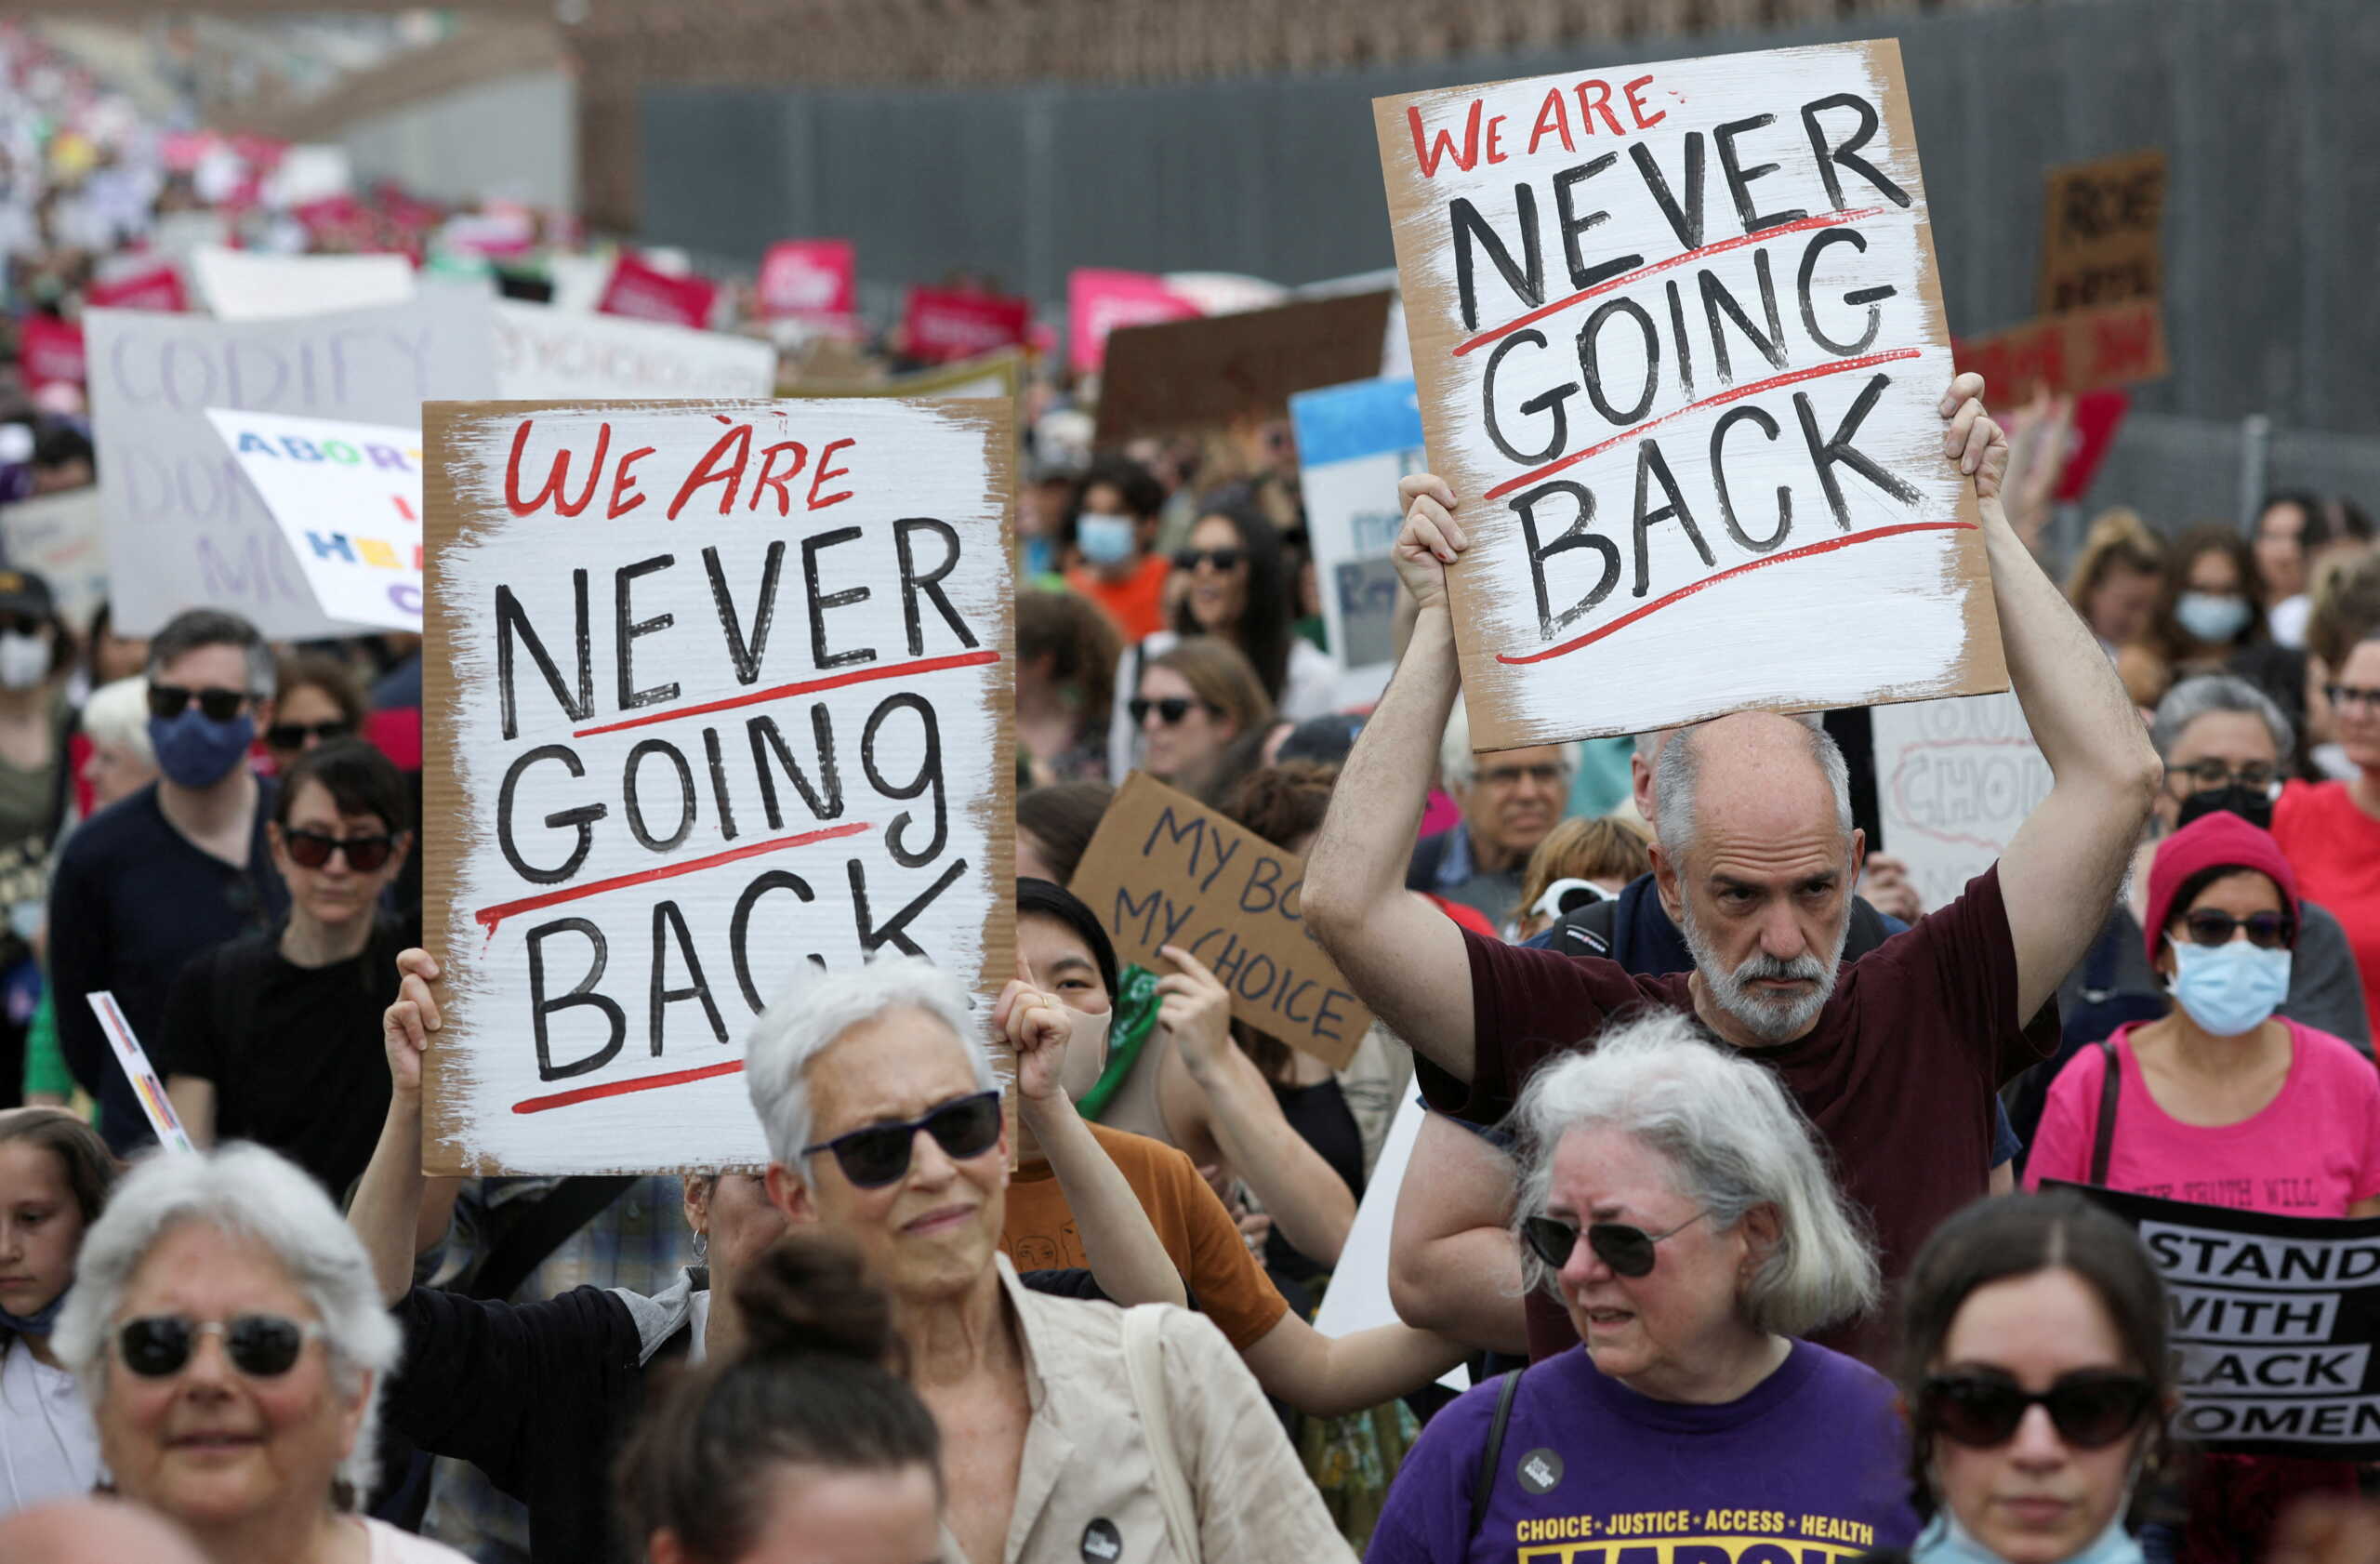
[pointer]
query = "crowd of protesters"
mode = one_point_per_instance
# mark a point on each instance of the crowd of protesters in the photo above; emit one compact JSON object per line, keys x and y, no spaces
{"x":1728,"y":1198}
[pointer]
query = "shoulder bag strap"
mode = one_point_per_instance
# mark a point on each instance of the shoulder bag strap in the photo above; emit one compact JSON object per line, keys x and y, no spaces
{"x":1484,"y":1487}
{"x":1144,"y":1366}
{"x":2103,"y":1142}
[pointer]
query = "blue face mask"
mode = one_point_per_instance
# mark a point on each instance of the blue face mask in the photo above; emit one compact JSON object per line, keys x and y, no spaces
{"x":2211,"y":616}
{"x":1944,"y":1541}
{"x":1105,"y":539}
{"x":2229,"y":989}
{"x":193,"y":750}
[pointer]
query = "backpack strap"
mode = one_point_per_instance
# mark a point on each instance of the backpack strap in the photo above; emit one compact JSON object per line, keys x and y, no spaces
{"x":2103,"y":1141}
{"x":1483,"y":1486}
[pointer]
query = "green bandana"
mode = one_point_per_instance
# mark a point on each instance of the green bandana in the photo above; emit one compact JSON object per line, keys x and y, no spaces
{"x":1135,"y":1018}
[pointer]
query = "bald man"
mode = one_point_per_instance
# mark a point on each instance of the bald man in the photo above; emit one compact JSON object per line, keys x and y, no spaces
{"x":92,"y":1532}
{"x":1897,"y":1058}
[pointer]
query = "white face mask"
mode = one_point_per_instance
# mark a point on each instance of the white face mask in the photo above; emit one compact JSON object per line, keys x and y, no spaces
{"x":1086,"y":1051}
{"x":24,"y":660}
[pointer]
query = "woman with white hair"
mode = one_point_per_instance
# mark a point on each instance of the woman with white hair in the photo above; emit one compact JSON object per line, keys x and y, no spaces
{"x":1070,"y":1431}
{"x":1675,"y":1201}
{"x":227,"y":1331}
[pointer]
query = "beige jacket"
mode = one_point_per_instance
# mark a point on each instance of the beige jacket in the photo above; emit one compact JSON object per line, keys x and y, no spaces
{"x":1086,"y":1463}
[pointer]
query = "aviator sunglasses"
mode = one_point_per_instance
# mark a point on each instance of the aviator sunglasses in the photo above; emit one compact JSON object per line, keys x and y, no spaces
{"x":261,"y":1345}
{"x":1981,"y":1407}
{"x":314,"y":849}
{"x":1628,"y":1251}
{"x":879,"y":1153}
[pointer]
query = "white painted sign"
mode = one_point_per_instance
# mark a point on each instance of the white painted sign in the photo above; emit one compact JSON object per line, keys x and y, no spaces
{"x":1680,"y":346}
{"x":133,"y":1060}
{"x":712,"y":688}
{"x":1357,"y":1297}
{"x":57,"y":537}
{"x":347,"y":500}
{"x":185,"y":529}
{"x":544,"y":353}
{"x":1954,"y":779}
{"x":1355,"y":441}
{"x":250,"y":286}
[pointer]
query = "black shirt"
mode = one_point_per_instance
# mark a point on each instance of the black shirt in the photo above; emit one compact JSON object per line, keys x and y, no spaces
{"x":130,"y":902}
{"x":294,"y":1053}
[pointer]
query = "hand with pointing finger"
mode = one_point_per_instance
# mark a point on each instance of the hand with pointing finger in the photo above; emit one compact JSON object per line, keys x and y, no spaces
{"x":1194,"y":1008}
{"x":1037,"y":1027}
{"x":405,"y":1025}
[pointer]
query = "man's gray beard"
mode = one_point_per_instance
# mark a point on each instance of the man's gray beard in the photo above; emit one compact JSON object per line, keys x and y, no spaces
{"x":1771,"y":1020}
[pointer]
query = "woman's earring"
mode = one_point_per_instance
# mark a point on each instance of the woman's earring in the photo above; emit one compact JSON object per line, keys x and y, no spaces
{"x":702,"y":1248}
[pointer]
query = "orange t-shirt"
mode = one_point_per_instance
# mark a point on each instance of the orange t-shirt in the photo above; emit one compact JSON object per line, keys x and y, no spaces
{"x":1136,"y":603}
{"x":1226,"y":1283}
{"x":2334,"y":847}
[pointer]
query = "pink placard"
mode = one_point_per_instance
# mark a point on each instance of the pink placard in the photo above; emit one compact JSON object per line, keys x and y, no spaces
{"x":1098,"y":301}
{"x":945,"y":324}
{"x":809,"y":279}
{"x":640,"y":293}
{"x":49,"y":352}
{"x":159,"y":287}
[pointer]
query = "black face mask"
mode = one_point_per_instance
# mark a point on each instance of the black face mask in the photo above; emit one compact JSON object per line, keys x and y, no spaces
{"x":2252,"y":804}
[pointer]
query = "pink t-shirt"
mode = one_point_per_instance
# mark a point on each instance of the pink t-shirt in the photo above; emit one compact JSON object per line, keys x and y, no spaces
{"x":2314,"y":1150}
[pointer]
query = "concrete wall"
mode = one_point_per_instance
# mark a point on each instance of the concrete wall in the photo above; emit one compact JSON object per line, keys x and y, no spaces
{"x":512,"y":137}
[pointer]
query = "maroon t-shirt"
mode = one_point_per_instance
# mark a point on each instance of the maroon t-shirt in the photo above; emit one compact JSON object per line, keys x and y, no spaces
{"x":1897,"y":1075}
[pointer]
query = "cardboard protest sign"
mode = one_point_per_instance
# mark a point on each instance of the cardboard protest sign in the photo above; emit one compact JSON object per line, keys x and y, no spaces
{"x":57,"y":537}
{"x":2081,"y":350}
{"x":1954,"y":779}
{"x":542,"y":353}
{"x":133,"y":1060}
{"x":247,"y":286}
{"x":184,"y":526}
{"x":1354,"y":443}
{"x":1164,"y":869}
{"x":347,"y":500}
{"x":1191,"y":376}
{"x":809,"y":279}
{"x":647,"y":293}
{"x":1680,"y":347}
{"x":2274,"y":1321}
{"x":712,"y":689}
{"x":945,"y":324}
{"x":1098,"y":300}
{"x":2101,"y":242}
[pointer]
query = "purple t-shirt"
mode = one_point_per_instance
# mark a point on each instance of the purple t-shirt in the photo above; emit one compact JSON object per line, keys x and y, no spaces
{"x":1809,"y":1468}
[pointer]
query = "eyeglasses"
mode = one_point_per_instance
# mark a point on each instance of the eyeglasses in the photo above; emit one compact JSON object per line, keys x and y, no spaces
{"x":314,"y":849}
{"x":293,"y":736}
{"x":2363,"y":695}
{"x":167,"y":701}
{"x":1225,"y":561}
{"x":261,"y":1345}
{"x":878,"y":1155}
{"x":1170,"y":711}
{"x":2266,"y":931}
{"x":1628,"y":1251}
{"x":2209,"y":775}
{"x":2092,"y":1408}
{"x":1513,"y":775}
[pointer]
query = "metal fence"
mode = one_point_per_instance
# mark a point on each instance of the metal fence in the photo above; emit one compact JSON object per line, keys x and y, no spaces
{"x":2266,"y":108}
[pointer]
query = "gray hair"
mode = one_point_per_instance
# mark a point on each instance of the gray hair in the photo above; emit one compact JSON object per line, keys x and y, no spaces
{"x":251,"y":1193}
{"x":1459,"y":767}
{"x":193,"y":630}
{"x":1734,"y":1140}
{"x":117,"y":714}
{"x":811,"y":1016}
{"x":1678,"y":771}
{"x":2209,"y":693}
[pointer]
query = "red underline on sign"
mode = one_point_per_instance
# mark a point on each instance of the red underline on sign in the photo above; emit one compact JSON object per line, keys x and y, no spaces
{"x":1791,"y":378}
{"x":1824,"y":219}
{"x":1806,"y":552}
{"x":621,"y":1088}
{"x":806,"y":687}
{"x":489,"y":916}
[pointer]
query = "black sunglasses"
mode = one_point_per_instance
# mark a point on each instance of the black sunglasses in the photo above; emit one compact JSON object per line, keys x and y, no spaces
{"x":1628,"y":1251}
{"x":314,"y":849}
{"x":261,"y":1345}
{"x":167,"y":701}
{"x":1981,"y":1407}
{"x":1222,"y":559}
{"x":22,"y":623}
{"x":2266,"y":931}
{"x":878,"y":1155}
{"x":293,"y":736}
{"x":1169,"y":709}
